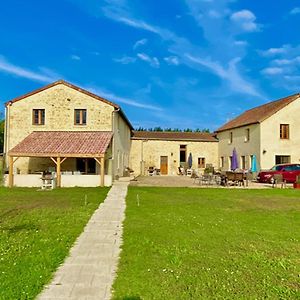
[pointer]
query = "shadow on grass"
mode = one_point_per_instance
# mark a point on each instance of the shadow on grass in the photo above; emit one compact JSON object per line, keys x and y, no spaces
{"x":132,"y":298}
{"x":21,"y":227}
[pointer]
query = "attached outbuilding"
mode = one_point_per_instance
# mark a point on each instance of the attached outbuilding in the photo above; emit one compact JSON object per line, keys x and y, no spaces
{"x":167,"y":151}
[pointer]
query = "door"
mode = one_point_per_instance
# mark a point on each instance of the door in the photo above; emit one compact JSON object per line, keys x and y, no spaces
{"x":164,"y":165}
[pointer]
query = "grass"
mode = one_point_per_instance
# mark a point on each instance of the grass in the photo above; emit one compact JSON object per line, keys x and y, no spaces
{"x":182,"y":243}
{"x":37,"y":230}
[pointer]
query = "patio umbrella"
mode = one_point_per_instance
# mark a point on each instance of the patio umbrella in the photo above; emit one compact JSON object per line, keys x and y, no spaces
{"x":234,"y":160}
{"x":254,"y":164}
{"x":190,"y":160}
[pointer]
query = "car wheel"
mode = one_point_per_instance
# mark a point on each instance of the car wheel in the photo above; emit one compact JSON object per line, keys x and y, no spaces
{"x":272,"y":180}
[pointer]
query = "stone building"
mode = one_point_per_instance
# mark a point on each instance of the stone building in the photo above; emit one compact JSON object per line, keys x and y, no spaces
{"x":169,"y":150}
{"x":64,"y":128}
{"x":270,"y":132}
{"x":87,"y":140}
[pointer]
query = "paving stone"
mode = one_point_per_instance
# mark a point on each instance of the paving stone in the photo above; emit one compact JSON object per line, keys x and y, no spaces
{"x":89,"y":271}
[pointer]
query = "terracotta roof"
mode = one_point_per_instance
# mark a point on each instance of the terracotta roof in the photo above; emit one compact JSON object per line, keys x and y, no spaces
{"x":63,"y":143}
{"x":258,"y":114}
{"x":72,"y":86}
{"x":174,"y":136}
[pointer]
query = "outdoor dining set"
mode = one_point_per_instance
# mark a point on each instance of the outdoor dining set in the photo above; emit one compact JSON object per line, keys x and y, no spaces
{"x":228,"y":178}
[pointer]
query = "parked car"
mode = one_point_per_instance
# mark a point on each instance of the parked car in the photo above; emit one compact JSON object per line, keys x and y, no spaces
{"x":289,"y":173}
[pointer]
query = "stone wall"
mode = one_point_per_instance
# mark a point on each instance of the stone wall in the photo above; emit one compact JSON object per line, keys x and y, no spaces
{"x":243,"y":146}
{"x":59,"y":103}
{"x":147,"y":153}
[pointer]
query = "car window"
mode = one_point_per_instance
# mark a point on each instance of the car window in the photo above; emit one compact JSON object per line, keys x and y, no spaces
{"x":277,"y":168}
{"x":289,"y":168}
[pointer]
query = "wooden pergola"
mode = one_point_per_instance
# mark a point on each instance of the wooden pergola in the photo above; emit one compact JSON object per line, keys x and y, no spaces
{"x":59,"y":146}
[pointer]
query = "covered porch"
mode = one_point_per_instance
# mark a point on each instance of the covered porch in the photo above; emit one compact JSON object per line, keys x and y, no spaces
{"x":85,"y":155}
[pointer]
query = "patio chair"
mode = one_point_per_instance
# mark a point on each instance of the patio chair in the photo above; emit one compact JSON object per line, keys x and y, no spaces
{"x":278,"y":179}
{"x":181,"y":171}
{"x":230,"y":176}
{"x":206,"y":179}
{"x":150,"y":171}
{"x":239,"y":179}
{"x":189,"y":172}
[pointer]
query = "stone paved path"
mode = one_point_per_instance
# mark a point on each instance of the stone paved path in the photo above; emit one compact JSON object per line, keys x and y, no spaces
{"x":89,"y":271}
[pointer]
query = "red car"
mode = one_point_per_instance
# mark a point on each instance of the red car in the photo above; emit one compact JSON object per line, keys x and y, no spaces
{"x":289,"y":173}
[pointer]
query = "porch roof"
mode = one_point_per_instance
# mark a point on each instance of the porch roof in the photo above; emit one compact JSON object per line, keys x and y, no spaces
{"x":63,"y":144}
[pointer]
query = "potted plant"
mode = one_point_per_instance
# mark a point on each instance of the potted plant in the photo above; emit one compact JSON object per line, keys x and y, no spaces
{"x":297,"y":182}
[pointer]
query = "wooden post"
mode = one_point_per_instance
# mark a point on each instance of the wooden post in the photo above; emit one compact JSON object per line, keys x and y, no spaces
{"x":11,"y":172}
{"x":102,"y":171}
{"x":58,"y":172}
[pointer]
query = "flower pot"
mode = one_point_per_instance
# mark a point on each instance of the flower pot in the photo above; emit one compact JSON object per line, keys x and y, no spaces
{"x":297,"y":185}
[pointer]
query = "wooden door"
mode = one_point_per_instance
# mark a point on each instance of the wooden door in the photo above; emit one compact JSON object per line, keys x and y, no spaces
{"x":164,"y":165}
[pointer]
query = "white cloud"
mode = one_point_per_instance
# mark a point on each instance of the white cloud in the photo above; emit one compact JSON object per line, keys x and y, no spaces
{"x":220,"y":39}
{"x":118,"y":99}
{"x":231,"y":74}
{"x":153,"y":61}
{"x":140,"y":43}
{"x":75,"y":57}
{"x":295,"y":11}
{"x":9,"y":68}
{"x":241,"y":43}
{"x":275,"y":51}
{"x":125,"y":60}
{"x":172,"y":60}
{"x":282,"y":62}
{"x":245,"y":19}
{"x":272,"y":71}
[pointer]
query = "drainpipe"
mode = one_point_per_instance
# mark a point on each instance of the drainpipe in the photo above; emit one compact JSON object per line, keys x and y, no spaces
{"x":142,"y":165}
{"x":6,"y":132}
{"x":113,"y":141}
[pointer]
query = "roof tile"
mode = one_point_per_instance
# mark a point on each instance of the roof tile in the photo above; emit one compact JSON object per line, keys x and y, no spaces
{"x":258,"y":114}
{"x":41,"y":143}
{"x":174,"y":136}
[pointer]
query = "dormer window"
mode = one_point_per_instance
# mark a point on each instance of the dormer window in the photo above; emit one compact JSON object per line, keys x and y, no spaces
{"x":80,"y":117}
{"x":38,"y":117}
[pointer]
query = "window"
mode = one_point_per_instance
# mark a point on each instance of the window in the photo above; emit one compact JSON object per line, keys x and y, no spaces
{"x":230,"y":137}
{"x":182,"y":153}
{"x":284,"y":131}
{"x":201,"y":162}
{"x":247,"y":135}
{"x":80,"y":117}
{"x":243,"y":162}
{"x":38,"y":117}
{"x":222,"y":162}
{"x":282,"y":159}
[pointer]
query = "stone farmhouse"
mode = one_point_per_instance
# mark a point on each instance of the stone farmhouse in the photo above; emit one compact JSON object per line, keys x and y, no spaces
{"x":87,"y":140}
{"x":66,"y":129}
{"x":269,"y":131}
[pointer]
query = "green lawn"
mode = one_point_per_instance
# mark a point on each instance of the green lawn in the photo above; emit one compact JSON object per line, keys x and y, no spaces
{"x":182,"y":243}
{"x":37,"y":229}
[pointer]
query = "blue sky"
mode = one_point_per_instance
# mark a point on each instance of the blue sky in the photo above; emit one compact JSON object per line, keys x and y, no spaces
{"x":173,"y":63}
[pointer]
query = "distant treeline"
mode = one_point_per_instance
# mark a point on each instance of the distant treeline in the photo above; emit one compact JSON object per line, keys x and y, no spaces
{"x":173,"y":129}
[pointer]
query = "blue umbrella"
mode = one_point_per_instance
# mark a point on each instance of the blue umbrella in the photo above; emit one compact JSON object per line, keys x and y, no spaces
{"x":190,"y":160}
{"x":234,"y":160}
{"x":254,"y":164}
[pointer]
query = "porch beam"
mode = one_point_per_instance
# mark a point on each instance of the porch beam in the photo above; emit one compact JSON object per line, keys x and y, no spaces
{"x":58,"y":173}
{"x":10,"y":171}
{"x":16,"y":159}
